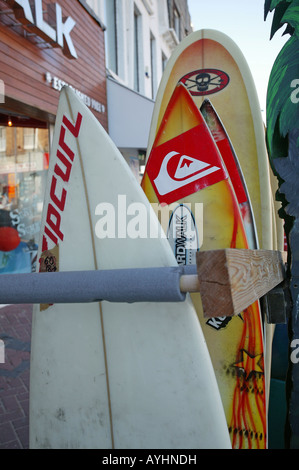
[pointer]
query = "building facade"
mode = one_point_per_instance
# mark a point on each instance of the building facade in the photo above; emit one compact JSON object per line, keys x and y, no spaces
{"x":112,"y":53}
{"x":140,"y":36}
{"x":43,"y":45}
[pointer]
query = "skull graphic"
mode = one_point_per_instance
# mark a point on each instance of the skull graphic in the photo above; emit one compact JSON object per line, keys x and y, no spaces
{"x":203,"y":81}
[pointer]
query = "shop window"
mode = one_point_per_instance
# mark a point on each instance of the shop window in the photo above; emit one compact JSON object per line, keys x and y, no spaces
{"x":142,"y":162}
{"x":29,"y":138}
{"x":24,"y":161}
{"x":2,"y":139}
{"x":164,"y":61}
{"x":137,"y":49}
{"x":177,"y":22}
{"x":111,"y":35}
{"x":153,"y":47}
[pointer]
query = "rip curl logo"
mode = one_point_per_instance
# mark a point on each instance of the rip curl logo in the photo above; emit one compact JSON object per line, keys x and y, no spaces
{"x":205,"y":82}
{"x":180,"y":167}
{"x":61,"y":175}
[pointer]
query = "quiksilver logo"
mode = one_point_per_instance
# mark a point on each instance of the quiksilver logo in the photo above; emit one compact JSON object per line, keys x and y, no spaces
{"x":185,"y":165}
{"x":186,"y":171}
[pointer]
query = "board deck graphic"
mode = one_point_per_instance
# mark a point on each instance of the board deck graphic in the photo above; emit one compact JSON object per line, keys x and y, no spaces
{"x":238,"y":107}
{"x":235,"y":344}
{"x":205,"y":82}
{"x":107,"y":375}
{"x":177,"y":171}
{"x":199,"y":58}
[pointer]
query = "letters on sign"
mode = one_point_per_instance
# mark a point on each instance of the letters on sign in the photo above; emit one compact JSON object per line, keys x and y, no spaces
{"x":60,"y":35}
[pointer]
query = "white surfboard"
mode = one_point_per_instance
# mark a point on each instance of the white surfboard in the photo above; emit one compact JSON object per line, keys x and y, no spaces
{"x":107,"y":375}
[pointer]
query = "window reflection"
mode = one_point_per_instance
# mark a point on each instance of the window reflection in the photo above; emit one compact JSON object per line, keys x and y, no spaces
{"x":24,"y":159}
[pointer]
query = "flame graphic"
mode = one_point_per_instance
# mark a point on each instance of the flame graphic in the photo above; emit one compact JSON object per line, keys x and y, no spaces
{"x":248,"y":429}
{"x":236,"y":343}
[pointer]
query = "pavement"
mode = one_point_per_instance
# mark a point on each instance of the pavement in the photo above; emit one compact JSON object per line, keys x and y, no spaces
{"x":15,"y":338}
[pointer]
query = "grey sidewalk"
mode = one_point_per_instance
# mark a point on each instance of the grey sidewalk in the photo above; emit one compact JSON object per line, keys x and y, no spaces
{"x":15,"y":332}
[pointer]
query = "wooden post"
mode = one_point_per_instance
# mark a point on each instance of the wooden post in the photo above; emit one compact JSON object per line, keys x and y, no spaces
{"x":231,"y":280}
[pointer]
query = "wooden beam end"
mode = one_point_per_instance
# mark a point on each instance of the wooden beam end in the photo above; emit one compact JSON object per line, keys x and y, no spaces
{"x":231,"y":280}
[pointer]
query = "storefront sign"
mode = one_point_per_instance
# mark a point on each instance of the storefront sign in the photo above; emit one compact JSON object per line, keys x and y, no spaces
{"x":58,"y":83}
{"x":60,"y":35}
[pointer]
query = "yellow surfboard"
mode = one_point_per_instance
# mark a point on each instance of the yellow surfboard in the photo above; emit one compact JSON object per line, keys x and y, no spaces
{"x":186,"y":180}
{"x":212,"y":66}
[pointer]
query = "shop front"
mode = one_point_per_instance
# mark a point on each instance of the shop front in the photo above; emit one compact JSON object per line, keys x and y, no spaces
{"x":44,"y":45}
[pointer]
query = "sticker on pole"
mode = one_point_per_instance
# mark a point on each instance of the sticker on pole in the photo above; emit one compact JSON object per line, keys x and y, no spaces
{"x":184,"y":165}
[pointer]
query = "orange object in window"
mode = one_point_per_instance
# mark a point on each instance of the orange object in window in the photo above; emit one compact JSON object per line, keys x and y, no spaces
{"x":46,"y":160}
{"x":11,"y":186}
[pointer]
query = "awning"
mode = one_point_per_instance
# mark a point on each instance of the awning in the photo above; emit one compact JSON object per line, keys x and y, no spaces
{"x":129,"y":116}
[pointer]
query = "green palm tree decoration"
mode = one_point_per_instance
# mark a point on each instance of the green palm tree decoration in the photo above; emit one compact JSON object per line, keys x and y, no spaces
{"x":283,"y":148}
{"x":282,"y":108}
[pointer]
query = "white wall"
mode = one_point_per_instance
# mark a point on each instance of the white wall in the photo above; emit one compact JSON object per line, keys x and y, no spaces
{"x":153,"y":22}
